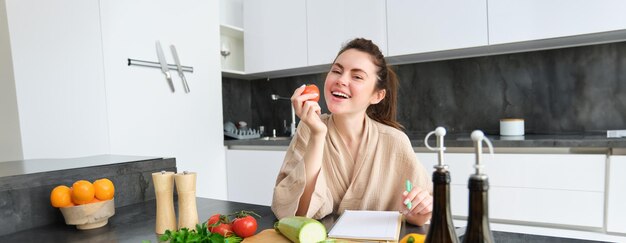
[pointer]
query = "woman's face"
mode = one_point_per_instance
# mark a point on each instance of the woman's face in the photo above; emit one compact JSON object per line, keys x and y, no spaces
{"x":350,"y":85}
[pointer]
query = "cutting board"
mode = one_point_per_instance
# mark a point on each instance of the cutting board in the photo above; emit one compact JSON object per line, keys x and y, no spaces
{"x":268,"y":235}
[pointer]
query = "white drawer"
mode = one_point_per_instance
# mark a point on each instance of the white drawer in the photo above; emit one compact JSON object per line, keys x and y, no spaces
{"x":562,"y":189}
{"x":547,"y":206}
{"x":583,"y":172}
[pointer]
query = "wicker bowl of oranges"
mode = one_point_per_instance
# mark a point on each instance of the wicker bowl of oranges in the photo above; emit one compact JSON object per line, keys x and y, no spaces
{"x":86,"y":205}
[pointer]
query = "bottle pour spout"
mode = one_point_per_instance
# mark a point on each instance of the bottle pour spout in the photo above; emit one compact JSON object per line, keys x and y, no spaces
{"x":440,"y":132}
{"x":478,"y":137}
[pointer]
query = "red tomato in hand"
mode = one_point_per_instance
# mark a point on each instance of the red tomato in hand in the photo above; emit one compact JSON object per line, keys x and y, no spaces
{"x":245,"y":227}
{"x":223,"y":229}
{"x":312,"y":89}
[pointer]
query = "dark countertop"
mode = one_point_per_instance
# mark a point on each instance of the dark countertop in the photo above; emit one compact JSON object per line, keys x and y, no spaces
{"x":582,"y":140}
{"x":136,"y":222}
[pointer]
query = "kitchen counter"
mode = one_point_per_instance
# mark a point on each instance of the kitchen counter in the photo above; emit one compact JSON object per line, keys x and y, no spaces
{"x":25,"y":185}
{"x":587,"y":140}
{"x":136,"y":222}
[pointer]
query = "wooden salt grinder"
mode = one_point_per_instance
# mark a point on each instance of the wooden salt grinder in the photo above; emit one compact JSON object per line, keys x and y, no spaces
{"x":164,"y":190}
{"x":187,"y":211}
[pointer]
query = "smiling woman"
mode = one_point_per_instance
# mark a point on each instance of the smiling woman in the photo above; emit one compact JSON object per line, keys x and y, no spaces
{"x":356,"y":157}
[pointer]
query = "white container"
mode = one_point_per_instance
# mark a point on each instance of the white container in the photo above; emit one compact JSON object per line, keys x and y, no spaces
{"x":511,"y":127}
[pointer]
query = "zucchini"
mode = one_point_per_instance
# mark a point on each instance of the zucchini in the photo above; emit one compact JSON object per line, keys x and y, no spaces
{"x":301,"y":229}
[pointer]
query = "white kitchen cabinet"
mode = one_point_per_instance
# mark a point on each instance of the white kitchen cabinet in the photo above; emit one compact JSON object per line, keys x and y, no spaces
{"x":251,"y":175}
{"x":515,"y":21}
{"x":428,"y":26}
{"x":616,"y":221}
{"x":58,"y":72}
{"x":541,"y":188}
{"x":275,"y":36}
{"x":331,"y":24}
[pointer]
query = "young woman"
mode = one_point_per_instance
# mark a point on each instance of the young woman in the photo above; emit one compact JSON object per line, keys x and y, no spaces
{"x":357,"y":157}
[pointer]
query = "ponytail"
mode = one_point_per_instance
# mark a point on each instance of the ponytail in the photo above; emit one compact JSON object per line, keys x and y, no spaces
{"x":385,"y":111}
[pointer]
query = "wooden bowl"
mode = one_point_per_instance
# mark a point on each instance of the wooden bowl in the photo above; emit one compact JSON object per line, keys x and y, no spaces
{"x":89,"y":216}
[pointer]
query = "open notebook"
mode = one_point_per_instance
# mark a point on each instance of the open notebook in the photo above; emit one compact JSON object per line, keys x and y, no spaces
{"x":367,"y":225}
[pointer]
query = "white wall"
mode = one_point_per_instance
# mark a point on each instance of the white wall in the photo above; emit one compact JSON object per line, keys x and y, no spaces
{"x":145,"y":118}
{"x":57,"y":59}
{"x":10,"y":139}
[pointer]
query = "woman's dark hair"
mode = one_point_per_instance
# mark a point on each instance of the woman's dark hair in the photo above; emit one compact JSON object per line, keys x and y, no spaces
{"x":385,"y":111}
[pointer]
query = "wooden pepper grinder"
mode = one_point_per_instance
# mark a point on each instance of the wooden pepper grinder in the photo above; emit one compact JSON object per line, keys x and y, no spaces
{"x":187,"y":211}
{"x":164,"y":190}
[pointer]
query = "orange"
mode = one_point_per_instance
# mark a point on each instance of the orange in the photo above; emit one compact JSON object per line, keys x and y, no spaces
{"x":82,"y":192}
{"x":104,"y":189}
{"x":61,"y":196}
{"x":95,"y":200}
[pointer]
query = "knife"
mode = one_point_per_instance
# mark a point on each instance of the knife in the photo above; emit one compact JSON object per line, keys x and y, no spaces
{"x":180,"y":68}
{"x":164,"y":67}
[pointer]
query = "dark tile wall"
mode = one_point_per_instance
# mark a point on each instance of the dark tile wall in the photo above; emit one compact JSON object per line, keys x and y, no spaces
{"x":236,"y":100}
{"x":261,"y":110}
{"x":25,"y":199}
{"x":570,"y":90}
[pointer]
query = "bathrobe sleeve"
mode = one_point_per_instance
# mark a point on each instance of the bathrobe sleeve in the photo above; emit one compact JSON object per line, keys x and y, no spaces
{"x":291,"y":181}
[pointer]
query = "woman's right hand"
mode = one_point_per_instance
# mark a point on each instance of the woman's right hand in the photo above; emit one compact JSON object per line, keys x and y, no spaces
{"x":308,"y":111}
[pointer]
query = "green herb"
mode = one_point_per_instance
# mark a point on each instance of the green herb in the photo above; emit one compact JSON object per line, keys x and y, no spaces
{"x":200,"y":234}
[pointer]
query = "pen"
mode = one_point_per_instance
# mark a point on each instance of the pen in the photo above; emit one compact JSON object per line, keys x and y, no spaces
{"x":408,"y":189}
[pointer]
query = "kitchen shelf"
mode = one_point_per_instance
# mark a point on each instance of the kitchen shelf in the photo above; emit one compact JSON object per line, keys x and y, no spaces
{"x":230,"y":30}
{"x":231,"y":50}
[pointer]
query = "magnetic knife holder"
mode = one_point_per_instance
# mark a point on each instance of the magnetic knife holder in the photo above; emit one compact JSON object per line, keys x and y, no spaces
{"x":135,"y":62}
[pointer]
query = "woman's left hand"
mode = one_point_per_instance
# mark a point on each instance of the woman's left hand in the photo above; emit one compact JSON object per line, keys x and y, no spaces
{"x":422,"y":206}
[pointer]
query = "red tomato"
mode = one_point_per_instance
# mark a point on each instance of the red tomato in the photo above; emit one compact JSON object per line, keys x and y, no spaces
{"x":245,"y":227}
{"x":212,"y":222}
{"x":312,"y":89}
{"x":223,"y":229}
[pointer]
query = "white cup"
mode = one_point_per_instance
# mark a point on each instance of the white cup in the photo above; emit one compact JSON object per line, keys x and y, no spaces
{"x":511,"y":127}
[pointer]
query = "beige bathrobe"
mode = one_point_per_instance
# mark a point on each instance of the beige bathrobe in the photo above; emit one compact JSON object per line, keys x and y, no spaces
{"x":374,"y":180}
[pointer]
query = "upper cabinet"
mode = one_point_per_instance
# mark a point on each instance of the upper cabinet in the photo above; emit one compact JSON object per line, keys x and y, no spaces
{"x":284,"y":38}
{"x":331,"y":23}
{"x":515,"y":21}
{"x":427,"y":26}
{"x":275,"y":35}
